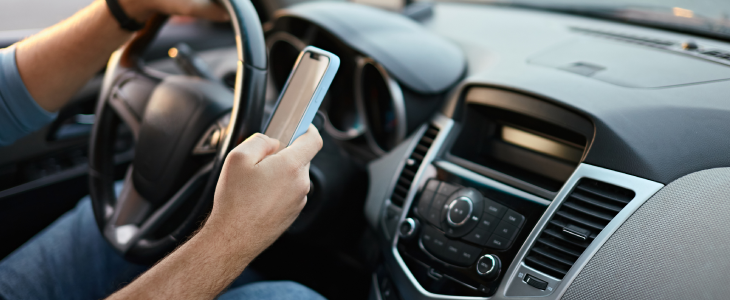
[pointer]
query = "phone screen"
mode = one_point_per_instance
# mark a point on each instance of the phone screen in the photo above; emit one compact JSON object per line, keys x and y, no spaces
{"x":295,"y":99}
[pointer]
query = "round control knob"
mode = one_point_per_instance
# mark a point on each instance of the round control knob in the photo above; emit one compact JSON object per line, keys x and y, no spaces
{"x":489,"y":266}
{"x":408,"y":228}
{"x":459,"y":211}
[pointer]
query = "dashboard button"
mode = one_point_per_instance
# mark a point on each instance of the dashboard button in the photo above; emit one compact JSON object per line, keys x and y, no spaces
{"x":497,"y":242}
{"x":505,"y":230}
{"x":493,"y":208}
{"x":477,"y":236}
{"x":437,"y":206}
{"x":488,"y":222}
{"x":434,"y":241}
{"x":513,"y":218}
{"x":461,"y":254}
{"x":424,"y":203}
{"x":447,"y":189}
{"x":439,"y":202}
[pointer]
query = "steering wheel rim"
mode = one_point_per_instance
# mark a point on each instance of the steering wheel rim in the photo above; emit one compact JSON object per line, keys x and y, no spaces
{"x":134,"y":239}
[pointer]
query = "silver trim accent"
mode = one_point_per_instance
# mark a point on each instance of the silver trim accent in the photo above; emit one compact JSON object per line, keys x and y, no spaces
{"x":376,"y":287}
{"x":213,"y":137}
{"x":396,"y":95}
{"x":480,"y":179}
{"x":575,"y":234}
{"x":490,"y":257}
{"x":643,"y":188}
{"x":468,"y":215}
{"x":408,"y":234}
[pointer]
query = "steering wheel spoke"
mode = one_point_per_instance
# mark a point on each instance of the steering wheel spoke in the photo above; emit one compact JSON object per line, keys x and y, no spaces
{"x":129,"y":97}
{"x":133,"y":217}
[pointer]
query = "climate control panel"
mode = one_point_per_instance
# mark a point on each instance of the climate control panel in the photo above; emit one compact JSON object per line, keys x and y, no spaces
{"x":465,"y":214}
{"x":457,"y":239}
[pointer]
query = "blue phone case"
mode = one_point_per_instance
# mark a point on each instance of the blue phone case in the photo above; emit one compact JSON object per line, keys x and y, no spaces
{"x":319,"y":93}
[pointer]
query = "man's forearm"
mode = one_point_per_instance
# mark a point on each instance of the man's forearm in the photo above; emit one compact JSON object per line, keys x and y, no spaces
{"x":57,"y":62}
{"x":200,"y":269}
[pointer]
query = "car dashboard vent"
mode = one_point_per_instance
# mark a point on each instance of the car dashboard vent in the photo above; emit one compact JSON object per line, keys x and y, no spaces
{"x":578,"y":220}
{"x":403,"y":185}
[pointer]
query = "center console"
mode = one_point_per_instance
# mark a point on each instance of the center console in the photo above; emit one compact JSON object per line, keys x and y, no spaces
{"x":460,"y":236}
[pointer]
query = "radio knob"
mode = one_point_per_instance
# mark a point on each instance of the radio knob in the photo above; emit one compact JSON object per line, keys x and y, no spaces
{"x":459,"y":211}
{"x":489,"y":266}
{"x":408,"y":228}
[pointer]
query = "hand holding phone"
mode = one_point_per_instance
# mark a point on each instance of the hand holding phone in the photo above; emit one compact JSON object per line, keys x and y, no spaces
{"x":302,"y":95}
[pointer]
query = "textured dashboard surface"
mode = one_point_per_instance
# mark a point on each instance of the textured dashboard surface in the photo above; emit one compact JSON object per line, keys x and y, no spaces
{"x":673,"y":247}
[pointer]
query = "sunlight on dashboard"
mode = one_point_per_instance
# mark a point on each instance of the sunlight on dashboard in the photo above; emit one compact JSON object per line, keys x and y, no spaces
{"x":681,"y":12}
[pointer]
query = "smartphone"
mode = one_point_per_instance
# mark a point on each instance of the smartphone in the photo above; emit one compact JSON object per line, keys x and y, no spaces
{"x":302,"y":94}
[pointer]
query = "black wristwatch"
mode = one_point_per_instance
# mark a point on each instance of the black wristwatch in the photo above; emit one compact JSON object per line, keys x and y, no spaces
{"x":123,"y":19}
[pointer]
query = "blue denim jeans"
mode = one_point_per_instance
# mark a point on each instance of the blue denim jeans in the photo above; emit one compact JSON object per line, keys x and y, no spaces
{"x":71,"y":260}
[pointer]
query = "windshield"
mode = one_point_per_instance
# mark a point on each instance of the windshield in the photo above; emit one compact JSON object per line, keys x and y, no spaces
{"x":704,"y":17}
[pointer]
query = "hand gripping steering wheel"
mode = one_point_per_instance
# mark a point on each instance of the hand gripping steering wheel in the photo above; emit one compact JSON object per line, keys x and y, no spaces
{"x":183,"y":128}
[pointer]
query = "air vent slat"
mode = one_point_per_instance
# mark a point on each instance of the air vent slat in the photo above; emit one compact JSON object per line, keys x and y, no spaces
{"x":408,"y":173}
{"x":421,"y":149}
{"x":582,"y":221}
{"x":597,"y":191}
{"x":558,"y":247}
{"x":588,"y":211}
{"x":575,"y":225}
{"x":405,"y":180}
{"x":554,"y":257}
{"x":432,"y":132}
{"x":546,"y":267}
{"x":577,"y":196}
{"x":560,"y":236}
{"x":402,"y":181}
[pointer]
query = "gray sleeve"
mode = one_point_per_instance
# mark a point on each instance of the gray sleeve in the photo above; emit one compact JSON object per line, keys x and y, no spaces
{"x":19,"y":113}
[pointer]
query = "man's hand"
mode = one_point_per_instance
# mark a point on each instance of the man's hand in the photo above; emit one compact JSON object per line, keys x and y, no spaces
{"x":259,"y":193}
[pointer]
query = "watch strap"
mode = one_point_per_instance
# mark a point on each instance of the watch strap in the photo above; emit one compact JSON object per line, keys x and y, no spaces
{"x":123,"y":19}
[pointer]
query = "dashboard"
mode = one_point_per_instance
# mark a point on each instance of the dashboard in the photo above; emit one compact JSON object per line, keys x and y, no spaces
{"x":561,"y":133}
{"x":501,"y":152}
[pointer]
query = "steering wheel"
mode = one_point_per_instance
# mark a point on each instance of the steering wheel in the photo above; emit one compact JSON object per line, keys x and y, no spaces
{"x":183,"y":128}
